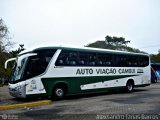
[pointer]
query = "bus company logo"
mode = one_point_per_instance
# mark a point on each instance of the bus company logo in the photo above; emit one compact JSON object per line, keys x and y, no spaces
{"x":139,"y":70}
{"x":32,"y":86}
{"x":101,"y":71}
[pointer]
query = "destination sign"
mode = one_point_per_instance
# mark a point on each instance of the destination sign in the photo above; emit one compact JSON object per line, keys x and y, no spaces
{"x":89,"y":71}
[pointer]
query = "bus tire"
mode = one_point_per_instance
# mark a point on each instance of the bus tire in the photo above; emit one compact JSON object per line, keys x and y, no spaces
{"x":129,"y":86}
{"x":59,"y":92}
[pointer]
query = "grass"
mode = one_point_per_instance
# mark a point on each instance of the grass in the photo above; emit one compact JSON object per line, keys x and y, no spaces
{"x":1,"y":85}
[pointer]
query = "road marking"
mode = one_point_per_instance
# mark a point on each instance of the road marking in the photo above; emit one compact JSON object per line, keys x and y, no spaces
{"x":23,"y":105}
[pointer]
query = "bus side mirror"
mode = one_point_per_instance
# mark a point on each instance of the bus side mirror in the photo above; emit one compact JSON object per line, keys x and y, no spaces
{"x":24,"y":56}
{"x":9,"y":60}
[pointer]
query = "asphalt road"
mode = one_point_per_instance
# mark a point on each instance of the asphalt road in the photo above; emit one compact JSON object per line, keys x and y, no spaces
{"x":143,"y":103}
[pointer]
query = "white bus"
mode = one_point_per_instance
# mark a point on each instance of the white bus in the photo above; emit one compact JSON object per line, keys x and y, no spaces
{"x":59,"y":71}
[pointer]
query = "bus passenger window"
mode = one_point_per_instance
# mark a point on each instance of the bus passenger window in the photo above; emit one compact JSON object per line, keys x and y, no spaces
{"x":143,"y":61}
{"x":87,"y":59}
{"x":132,"y":61}
{"x":105,"y":60}
{"x":67,"y":58}
{"x":82,"y":62}
{"x":83,"y":59}
{"x":92,"y":59}
{"x":72,"y":59}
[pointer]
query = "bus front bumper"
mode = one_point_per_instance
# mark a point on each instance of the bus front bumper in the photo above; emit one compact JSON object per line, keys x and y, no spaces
{"x":18,"y":91}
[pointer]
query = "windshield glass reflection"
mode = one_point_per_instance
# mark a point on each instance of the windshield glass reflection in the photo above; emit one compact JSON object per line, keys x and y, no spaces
{"x":17,"y":71}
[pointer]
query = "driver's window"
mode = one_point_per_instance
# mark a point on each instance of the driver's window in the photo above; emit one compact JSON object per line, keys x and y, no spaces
{"x":37,"y":65}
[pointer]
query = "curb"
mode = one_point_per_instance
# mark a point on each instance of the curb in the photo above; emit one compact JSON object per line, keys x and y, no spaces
{"x":31,"y":104}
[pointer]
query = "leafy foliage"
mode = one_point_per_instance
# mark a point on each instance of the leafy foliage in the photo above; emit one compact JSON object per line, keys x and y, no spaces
{"x":4,"y":37}
{"x":115,"y":40}
{"x":4,"y":73}
{"x":155,"y":58}
{"x":14,"y":53}
{"x":4,"y":55}
{"x":114,"y":43}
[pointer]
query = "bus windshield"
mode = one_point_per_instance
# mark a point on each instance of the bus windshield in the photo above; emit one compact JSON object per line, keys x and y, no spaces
{"x":31,"y":65}
{"x":18,"y":71}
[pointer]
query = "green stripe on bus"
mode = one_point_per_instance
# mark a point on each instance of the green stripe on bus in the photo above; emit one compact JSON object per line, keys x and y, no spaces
{"x":74,"y":83}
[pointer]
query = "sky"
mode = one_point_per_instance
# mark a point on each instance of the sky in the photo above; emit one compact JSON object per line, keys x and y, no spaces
{"x":80,"y":22}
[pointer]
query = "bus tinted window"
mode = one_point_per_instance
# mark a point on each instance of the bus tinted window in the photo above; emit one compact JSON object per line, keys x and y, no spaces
{"x":36,"y":65}
{"x":120,"y":60}
{"x":67,"y":58}
{"x":87,"y":59}
{"x":143,"y":61}
{"x":72,"y":58}
{"x":123,"y":60}
{"x":105,"y":59}
{"x":132,"y":61}
{"x":79,"y":58}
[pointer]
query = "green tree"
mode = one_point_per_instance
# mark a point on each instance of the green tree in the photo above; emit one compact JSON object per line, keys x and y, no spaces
{"x":117,"y":41}
{"x":155,"y":58}
{"x":5,"y":44}
{"x":14,"y":53}
{"x":4,"y":37}
{"x":114,"y":43}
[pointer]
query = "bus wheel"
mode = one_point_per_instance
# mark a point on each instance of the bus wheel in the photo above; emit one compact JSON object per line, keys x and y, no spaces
{"x":129,"y":86}
{"x":59,"y":92}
